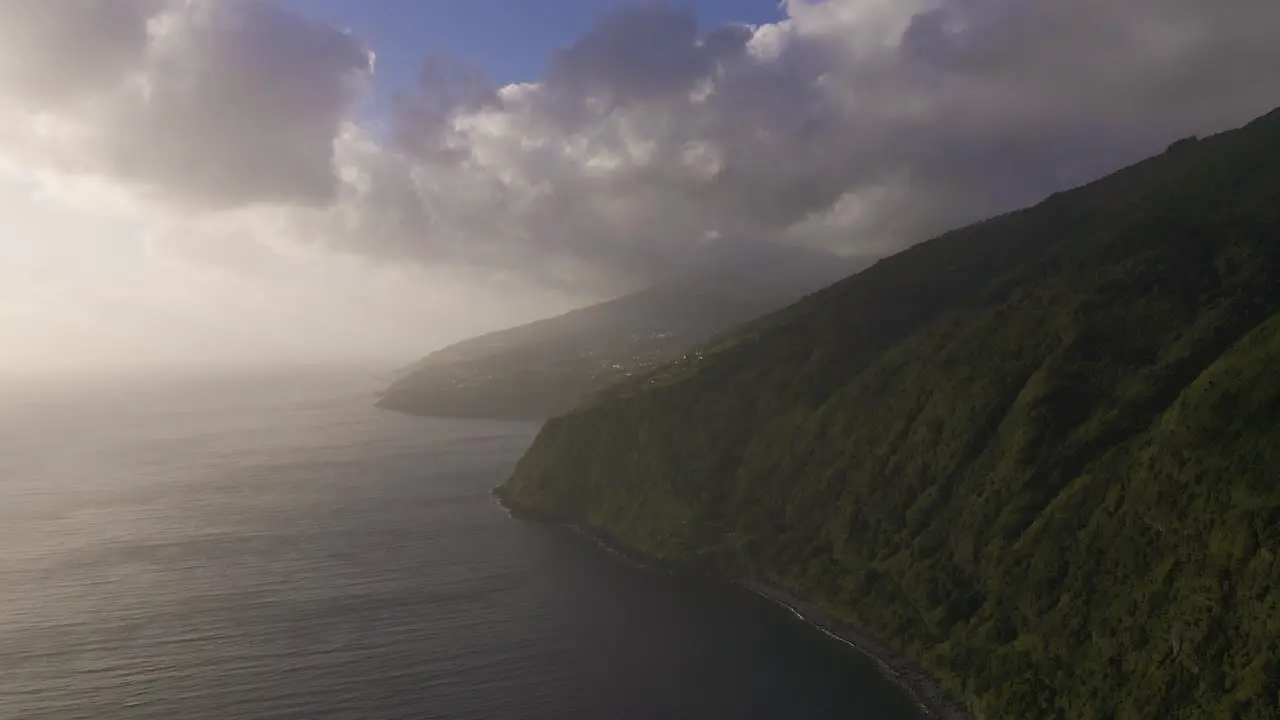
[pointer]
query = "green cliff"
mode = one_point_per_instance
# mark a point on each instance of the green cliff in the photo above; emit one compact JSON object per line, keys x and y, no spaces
{"x":1040,"y":456}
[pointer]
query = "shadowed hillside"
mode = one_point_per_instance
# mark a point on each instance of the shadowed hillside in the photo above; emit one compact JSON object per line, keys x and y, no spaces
{"x":1039,"y":455}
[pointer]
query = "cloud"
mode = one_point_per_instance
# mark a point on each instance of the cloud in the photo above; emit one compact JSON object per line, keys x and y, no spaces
{"x":856,"y":125}
{"x":198,"y":104}
{"x":641,"y":55}
{"x":853,"y":125}
{"x":59,"y":50}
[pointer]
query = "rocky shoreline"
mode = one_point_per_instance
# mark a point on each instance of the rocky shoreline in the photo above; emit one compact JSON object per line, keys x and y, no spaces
{"x":932,"y":698}
{"x":935,"y":701}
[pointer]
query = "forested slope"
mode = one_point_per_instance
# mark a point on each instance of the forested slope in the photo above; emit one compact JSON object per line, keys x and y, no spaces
{"x":1039,"y":455}
{"x":544,"y":368}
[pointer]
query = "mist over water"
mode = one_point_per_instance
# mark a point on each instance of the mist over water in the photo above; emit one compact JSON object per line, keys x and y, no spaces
{"x":272,"y":546}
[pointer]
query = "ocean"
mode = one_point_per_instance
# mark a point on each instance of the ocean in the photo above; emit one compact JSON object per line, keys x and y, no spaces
{"x":270,"y":545}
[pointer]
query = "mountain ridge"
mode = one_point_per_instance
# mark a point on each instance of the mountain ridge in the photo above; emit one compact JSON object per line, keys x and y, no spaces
{"x":1037,"y":455}
{"x":541,"y":369}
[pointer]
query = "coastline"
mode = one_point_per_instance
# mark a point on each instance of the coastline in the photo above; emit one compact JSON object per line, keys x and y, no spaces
{"x":601,"y":540}
{"x":930,"y":696}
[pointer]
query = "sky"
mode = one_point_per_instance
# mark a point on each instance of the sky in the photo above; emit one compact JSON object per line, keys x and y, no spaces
{"x":219,"y":182}
{"x":509,"y":40}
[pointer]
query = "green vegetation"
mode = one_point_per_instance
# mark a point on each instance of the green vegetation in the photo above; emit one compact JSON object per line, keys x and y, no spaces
{"x":1040,"y":456}
{"x":544,"y":368}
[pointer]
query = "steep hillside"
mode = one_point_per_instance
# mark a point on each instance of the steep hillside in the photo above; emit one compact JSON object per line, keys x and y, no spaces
{"x":1039,"y":455}
{"x":544,"y":368}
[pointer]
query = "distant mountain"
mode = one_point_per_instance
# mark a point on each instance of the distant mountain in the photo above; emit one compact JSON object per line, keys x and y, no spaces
{"x":1039,"y":456}
{"x":540,"y":370}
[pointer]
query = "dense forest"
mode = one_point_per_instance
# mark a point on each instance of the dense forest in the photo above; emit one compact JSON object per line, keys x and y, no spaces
{"x":1039,"y":456}
{"x":544,"y":368}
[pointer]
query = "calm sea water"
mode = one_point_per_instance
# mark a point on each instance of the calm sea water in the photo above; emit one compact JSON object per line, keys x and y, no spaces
{"x":275,"y":547}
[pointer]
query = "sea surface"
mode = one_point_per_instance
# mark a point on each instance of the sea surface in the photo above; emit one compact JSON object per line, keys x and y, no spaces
{"x":270,"y":545}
